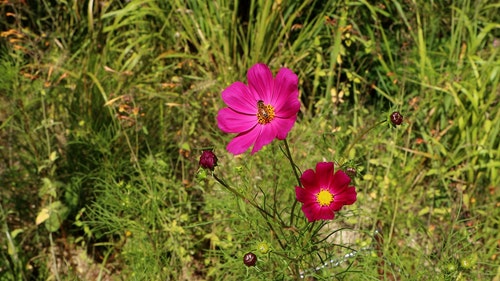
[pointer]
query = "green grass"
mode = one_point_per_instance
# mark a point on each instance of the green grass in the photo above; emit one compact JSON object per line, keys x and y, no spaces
{"x":105,"y":108}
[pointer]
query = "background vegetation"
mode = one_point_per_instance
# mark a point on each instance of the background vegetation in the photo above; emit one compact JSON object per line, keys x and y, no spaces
{"x":105,"y":107}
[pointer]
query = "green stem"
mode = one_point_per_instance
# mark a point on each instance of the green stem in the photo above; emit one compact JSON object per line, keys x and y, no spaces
{"x":294,"y":167}
{"x":232,"y":190}
{"x":346,"y":152}
{"x":288,"y":155}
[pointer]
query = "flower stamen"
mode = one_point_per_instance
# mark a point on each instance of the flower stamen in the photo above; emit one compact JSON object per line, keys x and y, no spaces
{"x":324,"y":197}
{"x":265,"y":113}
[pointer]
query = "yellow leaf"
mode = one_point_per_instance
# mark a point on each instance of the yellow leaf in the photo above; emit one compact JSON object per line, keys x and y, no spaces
{"x":424,"y":211}
{"x":53,"y":156}
{"x":42,"y":216}
{"x":368,"y":177}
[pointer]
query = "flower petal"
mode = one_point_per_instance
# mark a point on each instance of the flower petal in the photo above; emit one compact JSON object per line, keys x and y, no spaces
{"x":325,"y":213}
{"x":266,"y":136}
{"x":285,"y":89}
{"x":230,"y":121}
{"x":303,"y":195}
{"x":239,"y":98}
{"x":347,"y":196}
{"x":243,"y":141}
{"x":340,"y":180}
{"x":311,"y":211}
{"x":308,"y":180}
{"x":282,"y":126}
{"x":261,"y":82}
{"x":324,"y":173}
{"x":288,"y":109}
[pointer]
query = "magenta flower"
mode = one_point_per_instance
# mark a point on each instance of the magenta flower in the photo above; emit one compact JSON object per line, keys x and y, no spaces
{"x":260,"y":112}
{"x":324,"y":192}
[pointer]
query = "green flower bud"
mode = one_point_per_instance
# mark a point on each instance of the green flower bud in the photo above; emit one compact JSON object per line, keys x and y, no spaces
{"x":263,"y":248}
{"x":469,"y":261}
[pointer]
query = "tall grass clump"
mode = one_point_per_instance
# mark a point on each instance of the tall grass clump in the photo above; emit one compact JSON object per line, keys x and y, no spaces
{"x":445,"y":73}
{"x":106,"y":107}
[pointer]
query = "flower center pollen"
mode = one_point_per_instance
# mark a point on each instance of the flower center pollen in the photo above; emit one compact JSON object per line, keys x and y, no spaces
{"x":324,"y":197}
{"x":265,"y":113}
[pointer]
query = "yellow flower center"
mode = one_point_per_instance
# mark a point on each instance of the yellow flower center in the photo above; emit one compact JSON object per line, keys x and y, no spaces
{"x":324,"y":197}
{"x":265,"y":113}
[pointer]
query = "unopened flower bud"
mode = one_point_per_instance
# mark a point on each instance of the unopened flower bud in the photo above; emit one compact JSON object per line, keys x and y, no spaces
{"x":396,"y":118}
{"x":250,"y":259}
{"x":469,"y":261}
{"x":263,"y":248}
{"x":351,"y":172}
{"x":208,"y":160}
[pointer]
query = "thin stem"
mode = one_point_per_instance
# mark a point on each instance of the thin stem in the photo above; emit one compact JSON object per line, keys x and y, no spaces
{"x":288,"y":155}
{"x":293,"y":265}
{"x":294,"y":167}
{"x":292,"y":215}
{"x":346,"y":152}
{"x":232,"y":190}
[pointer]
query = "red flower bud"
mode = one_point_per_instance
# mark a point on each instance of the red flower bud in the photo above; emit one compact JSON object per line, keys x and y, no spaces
{"x":208,"y":160}
{"x":351,"y":172}
{"x":396,"y":118}
{"x":250,"y":259}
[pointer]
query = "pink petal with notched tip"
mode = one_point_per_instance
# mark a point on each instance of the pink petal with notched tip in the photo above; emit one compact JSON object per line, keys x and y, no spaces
{"x":340,"y":180}
{"x":311,"y":211}
{"x":283,"y":126}
{"x":261,"y":82}
{"x":239,"y":98}
{"x":308,"y":180}
{"x":286,"y":93}
{"x":324,"y":173}
{"x":314,"y":212}
{"x":266,"y":136}
{"x":243,"y":141}
{"x":304,"y":196}
{"x":325,"y":214}
{"x":230,"y":121}
{"x":347,"y":196}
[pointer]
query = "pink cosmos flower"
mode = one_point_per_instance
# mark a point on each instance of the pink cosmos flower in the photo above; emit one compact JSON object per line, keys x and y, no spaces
{"x":324,"y":192}
{"x":260,"y":112}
